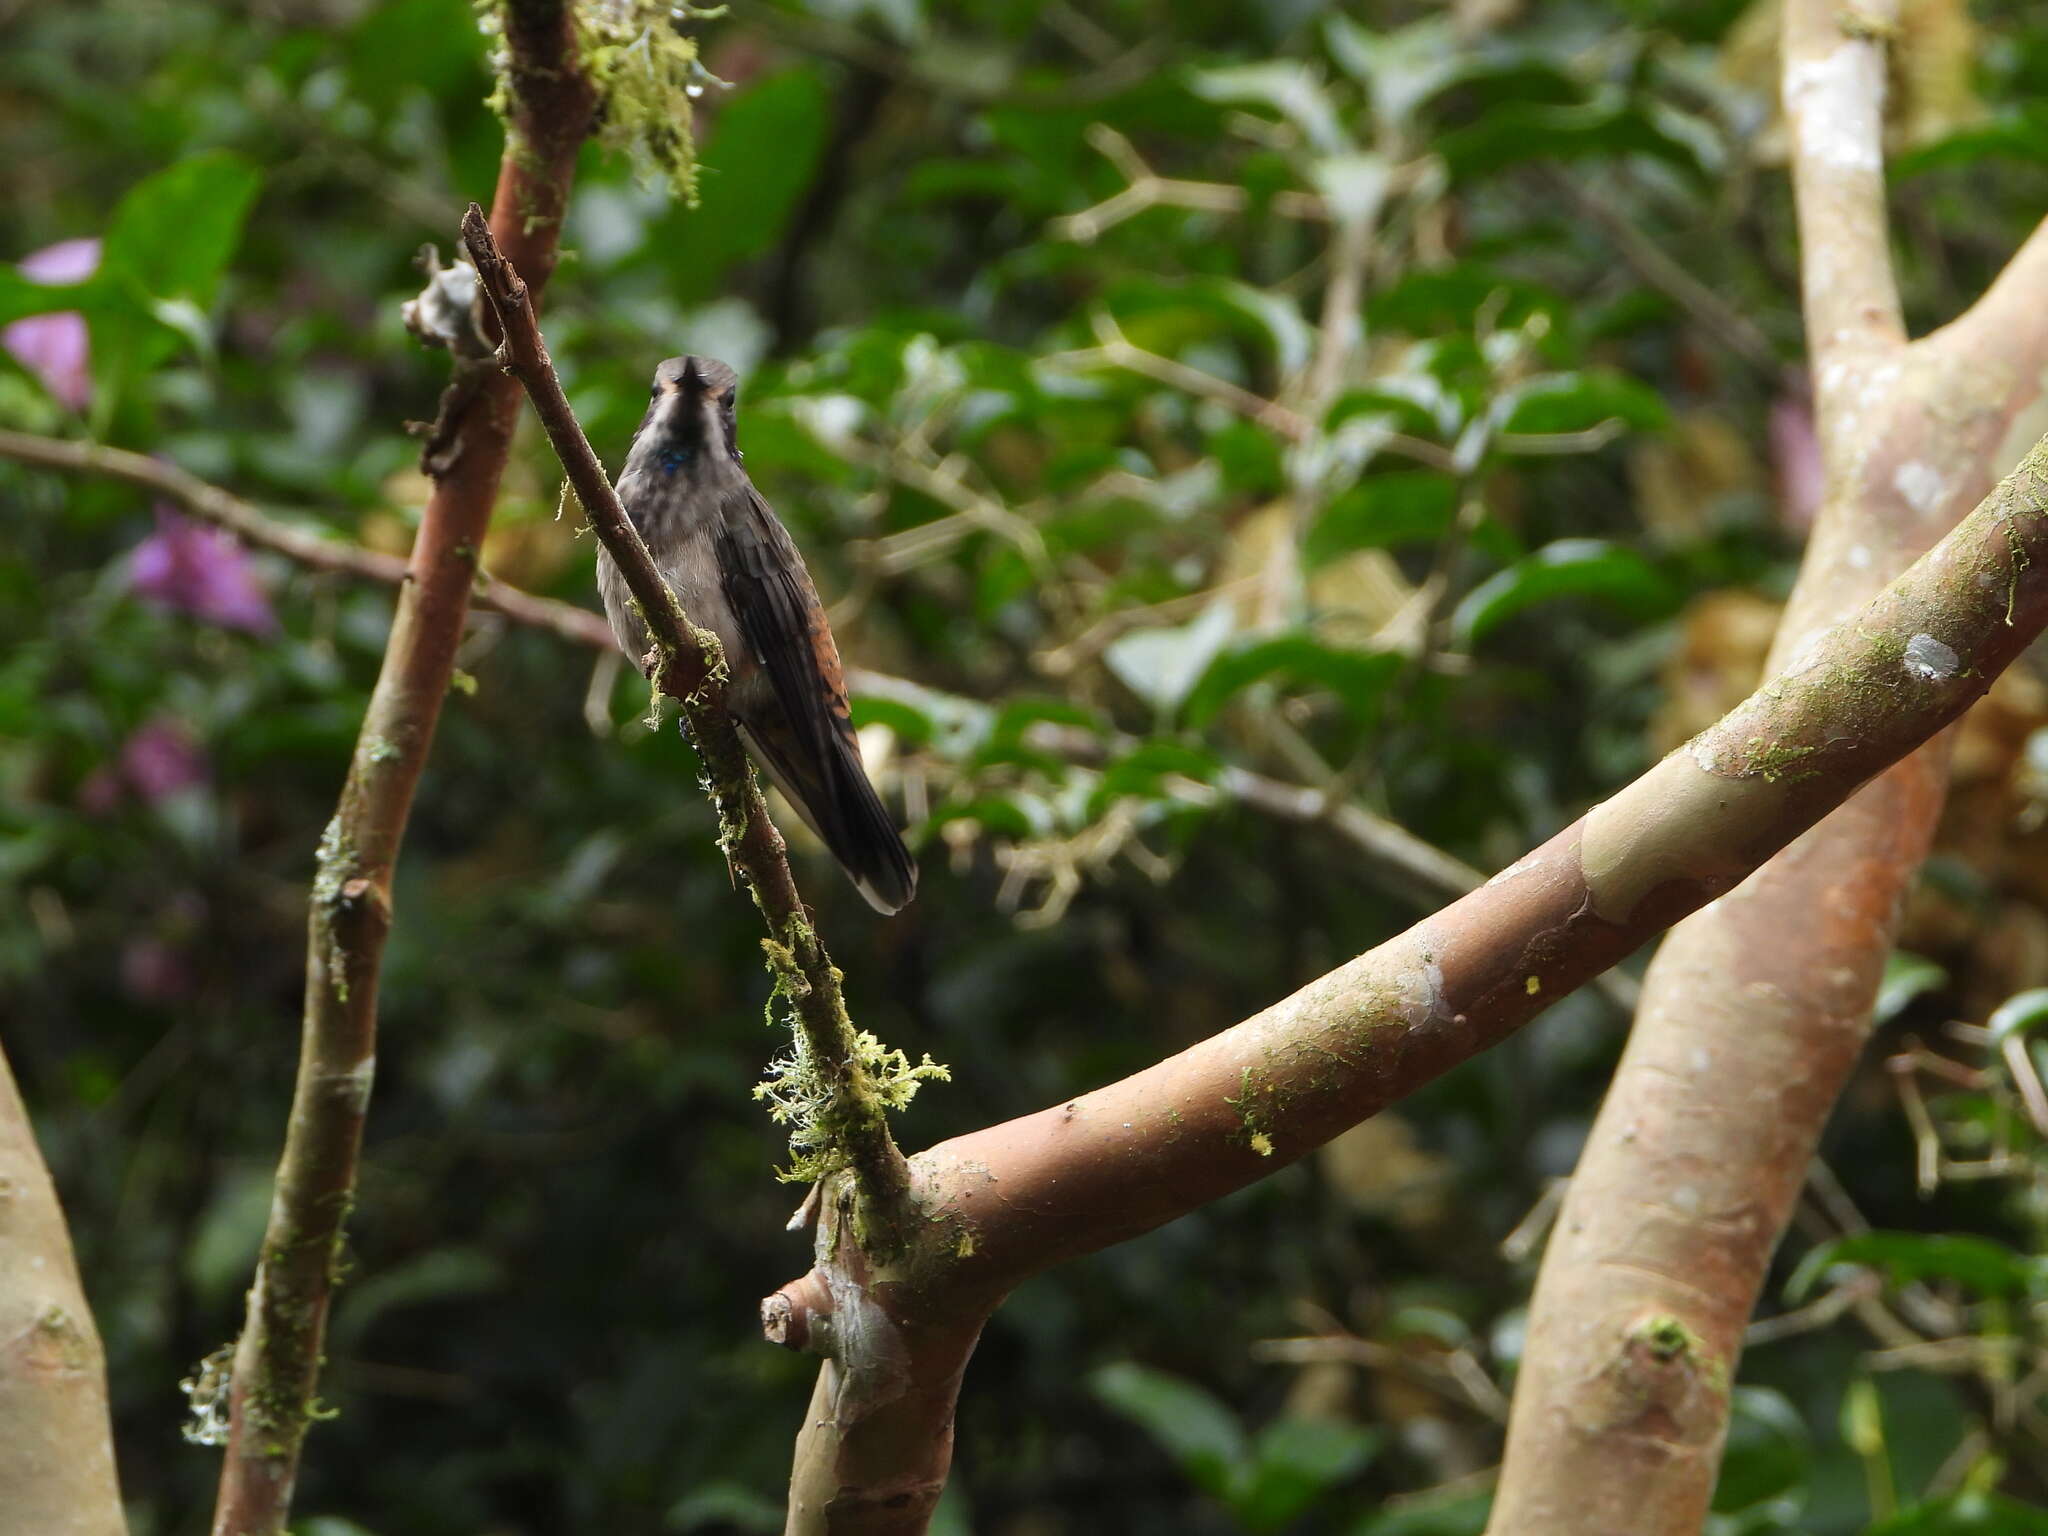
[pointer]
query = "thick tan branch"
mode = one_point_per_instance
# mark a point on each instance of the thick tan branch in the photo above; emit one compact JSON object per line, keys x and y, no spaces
{"x":277,"y":1361}
{"x":1754,"y":1013}
{"x":1834,"y":108}
{"x":1006,"y":1202}
{"x":56,"y":1442}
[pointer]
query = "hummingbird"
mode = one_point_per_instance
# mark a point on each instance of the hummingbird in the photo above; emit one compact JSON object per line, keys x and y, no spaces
{"x":737,"y":573}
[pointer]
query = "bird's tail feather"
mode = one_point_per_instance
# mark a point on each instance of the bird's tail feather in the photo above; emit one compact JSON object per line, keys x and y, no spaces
{"x":850,"y":820}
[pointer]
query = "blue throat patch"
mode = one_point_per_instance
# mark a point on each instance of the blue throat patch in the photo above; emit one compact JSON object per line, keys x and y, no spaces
{"x":673,"y":458}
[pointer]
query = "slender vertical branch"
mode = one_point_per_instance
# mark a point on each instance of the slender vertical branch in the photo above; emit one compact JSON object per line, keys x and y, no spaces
{"x":315,"y":551}
{"x":56,"y":1443}
{"x":689,"y":666}
{"x":277,"y":1361}
{"x":1754,"y":1012}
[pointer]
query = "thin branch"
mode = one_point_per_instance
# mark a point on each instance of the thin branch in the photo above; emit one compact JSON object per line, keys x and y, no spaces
{"x":1662,"y":271}
{"x":690,"y":667}
{"x":316,"y":551}
{"x":277,"y":1360}
{"x":1148,"y":189}
{"x":1419,"y":869}
{"x":1116,"y":350}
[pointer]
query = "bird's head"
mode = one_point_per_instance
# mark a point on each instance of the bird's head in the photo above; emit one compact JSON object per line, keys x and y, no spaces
{"x":691,"y":417}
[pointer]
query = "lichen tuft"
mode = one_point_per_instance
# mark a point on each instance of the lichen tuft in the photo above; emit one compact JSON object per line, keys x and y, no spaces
{"x":646,"y":72}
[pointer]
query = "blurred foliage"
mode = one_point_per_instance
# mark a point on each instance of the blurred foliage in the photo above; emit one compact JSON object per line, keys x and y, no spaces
{"x":1049,"y":367}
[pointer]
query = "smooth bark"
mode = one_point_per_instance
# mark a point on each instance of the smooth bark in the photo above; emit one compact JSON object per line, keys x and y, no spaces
{"x":1755,"y":1011}
{"x":1004,"y":1203}
{"x":56,"y":1440}
{"x":277,"y":1360}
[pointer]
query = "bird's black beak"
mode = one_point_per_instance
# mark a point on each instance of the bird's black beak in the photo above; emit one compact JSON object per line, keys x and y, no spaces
{"x":692,"y":381}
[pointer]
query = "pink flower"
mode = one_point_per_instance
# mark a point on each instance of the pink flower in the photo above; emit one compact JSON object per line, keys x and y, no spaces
{"x":202,"y":571}
{"x":53,"y":347}
{"x":155,"y":762}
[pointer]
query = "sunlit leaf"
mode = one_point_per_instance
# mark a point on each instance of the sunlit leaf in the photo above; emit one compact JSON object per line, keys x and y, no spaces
{"x":1162,"y":665}
{"x":1906,"y":976}
{"x":1607,"y":124}
{"x":1577,"y":402}
{"x":1569,"y":568}
{"x":1356,"y":678}
{"x":2020,"y":1014}
{"x":1143,"y":771}
{"x":913,"y":726}
{"x":1976,"y":1262}
{"x":1353,"y":186}
{"x":1288,"y":86}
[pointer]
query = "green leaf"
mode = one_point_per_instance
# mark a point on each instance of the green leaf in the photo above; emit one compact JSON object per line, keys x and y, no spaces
{"x":1768,"y":1454}
{"x":1435,"y":1514}
{"x":1574,"y":568}
{"x":1984,"y":1266}
{"x":436,"y":1274}
{"x":1294,"y":1462}
{"x":1196,"y":1430}
{"x":21,"y":296}
{"x":172,"y":235}
{"x":1383,"y":512}
{"x":1966,"y":1514}
{"x":1445,"y":299}
{"x":912,"y":725}
{"x":1607,"y":124}
{"x":1012,"y":816}
{"x":1142,"y":771}
{"x":161,"y":266}
{"x":2018,"y":1014}
{"x":1357,"y":678}
{"x":1289,"y":87}
{"x":225,"y":1241}
{"x":1018,"y":716}
{"x":1168,"y":317}
{"x":728,"y":1506}
{"x":1418,"y":403}
{"x":1577,"y":402}
{"x":1907,"y":976}
{"x":1402,"y":68}
{"x":1161,"y":665}
{"x":756,"y":167}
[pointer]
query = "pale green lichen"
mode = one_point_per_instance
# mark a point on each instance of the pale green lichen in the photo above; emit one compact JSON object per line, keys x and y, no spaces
{"x":1250,"y":1113}
{"x":816,"y":1105}
{"x":334,"y":865}
{"x":646,"y":73}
